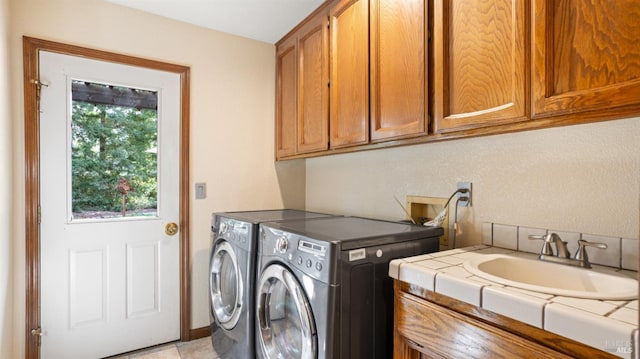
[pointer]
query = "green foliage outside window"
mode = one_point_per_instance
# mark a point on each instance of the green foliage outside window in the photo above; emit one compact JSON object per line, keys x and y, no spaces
{"x":108,"y":143}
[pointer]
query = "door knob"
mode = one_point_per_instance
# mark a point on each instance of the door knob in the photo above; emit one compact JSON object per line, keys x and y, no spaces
{"x":171,"y":228}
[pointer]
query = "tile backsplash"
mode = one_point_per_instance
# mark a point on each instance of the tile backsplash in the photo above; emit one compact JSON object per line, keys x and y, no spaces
{"x":620,"y":253}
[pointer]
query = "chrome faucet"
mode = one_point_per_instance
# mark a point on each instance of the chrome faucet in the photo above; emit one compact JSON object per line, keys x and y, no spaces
{"x":581,"y":259}
{"x":549,"y":239}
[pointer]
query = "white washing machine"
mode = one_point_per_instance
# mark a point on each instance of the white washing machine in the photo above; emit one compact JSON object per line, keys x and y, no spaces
{"x":323,"y":288}
{"x":232,"y":269}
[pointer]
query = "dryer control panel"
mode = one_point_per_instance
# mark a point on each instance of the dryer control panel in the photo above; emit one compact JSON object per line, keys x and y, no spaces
{"x":307,"y":255}
{"x":236,"y":232}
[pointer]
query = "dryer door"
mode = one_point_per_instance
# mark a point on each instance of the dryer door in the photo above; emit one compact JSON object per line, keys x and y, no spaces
{"x":225,"y":285}
{"x":285,"y":321}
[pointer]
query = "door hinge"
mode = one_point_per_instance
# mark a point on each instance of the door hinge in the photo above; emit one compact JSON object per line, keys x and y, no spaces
{"x":39,"y":85}
{"x":37,"y":332}
{"x":328,"y":22}
{"x":39,"y":214}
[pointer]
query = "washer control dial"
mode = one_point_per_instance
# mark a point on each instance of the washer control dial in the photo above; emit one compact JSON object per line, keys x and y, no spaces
{"x":282,"y":244}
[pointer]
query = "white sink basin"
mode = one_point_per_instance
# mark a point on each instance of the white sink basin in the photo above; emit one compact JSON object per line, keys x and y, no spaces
{"x":552,"y":278}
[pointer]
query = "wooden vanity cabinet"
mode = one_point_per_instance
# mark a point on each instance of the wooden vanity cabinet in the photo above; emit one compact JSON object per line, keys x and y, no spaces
{"x":430,"y":325}
{"x":480,"y":61}
{"x":586,"y":59}
{"x":398,"y":68}
{"x":442,"y":333}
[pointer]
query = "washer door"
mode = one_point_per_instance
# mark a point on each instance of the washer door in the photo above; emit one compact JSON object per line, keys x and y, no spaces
{"x":225,"y":285}
{"x":285,"y":321}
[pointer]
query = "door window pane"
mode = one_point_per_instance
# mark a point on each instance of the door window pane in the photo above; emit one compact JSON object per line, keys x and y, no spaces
{"x":228,"y":285}
{"x":285,"y":336}
{"x":114,"y":135}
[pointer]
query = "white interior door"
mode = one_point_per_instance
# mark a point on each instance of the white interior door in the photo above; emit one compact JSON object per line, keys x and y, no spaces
{"x":109,"y":276}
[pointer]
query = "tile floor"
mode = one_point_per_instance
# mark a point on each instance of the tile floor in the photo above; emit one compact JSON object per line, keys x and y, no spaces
{"x":195,"y":349}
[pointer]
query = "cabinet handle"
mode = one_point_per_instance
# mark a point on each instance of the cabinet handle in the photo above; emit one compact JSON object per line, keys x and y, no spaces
{"x":412,"y":343}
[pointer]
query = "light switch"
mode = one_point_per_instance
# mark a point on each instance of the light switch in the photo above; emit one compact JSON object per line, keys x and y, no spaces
{"x":201,"y":190}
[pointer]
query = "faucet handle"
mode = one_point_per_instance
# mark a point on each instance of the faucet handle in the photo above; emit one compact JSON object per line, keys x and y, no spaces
{"x":581,"y":253}
{"x":593,"y":244}
{"x":546,"y":247}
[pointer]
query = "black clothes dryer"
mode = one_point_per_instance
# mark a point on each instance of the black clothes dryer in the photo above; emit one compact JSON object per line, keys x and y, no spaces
{"x":323,"y":288}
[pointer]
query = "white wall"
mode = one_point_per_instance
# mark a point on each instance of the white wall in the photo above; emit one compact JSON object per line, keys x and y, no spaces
{"x":232,"y":116}
{"x":583,"y":178}
{"x":6,"y":280}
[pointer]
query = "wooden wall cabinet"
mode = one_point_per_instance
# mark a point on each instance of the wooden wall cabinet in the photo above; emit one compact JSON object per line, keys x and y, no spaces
{"x":323,"y":76}
{"x":286,"y":97}
{"x":398,"y":69}
{"x":480,"y":62}
{"x":349,"y":90}
{"x":313,"y":87}
{"x":302,"y":92}
{"x":372,"y":78}
{"x":586,"y":58}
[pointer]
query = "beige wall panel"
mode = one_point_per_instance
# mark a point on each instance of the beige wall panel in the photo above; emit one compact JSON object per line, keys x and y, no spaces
{"x":583,"y":178}
{"x":232,"y":117}
{"x":6,"y":216}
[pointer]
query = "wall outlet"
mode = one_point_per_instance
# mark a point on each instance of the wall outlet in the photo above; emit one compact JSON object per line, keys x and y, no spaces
{"x":466,"y":185}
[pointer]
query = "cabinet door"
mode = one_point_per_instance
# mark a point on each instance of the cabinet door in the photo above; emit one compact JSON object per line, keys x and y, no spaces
{"x":286,"y":98}
{"x":586,"y":57}
{"x":480,"y":67}
{"x":398,"y":68}
{"x":438,"y":332}
{"x":313,"y":84}
{"x":349,"y":89}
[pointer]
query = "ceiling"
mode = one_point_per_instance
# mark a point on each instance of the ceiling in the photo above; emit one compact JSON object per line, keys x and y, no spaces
{"x":263,"y":20}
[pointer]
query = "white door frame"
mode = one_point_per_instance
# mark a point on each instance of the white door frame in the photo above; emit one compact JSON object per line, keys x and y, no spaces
{"x":31,"y":47}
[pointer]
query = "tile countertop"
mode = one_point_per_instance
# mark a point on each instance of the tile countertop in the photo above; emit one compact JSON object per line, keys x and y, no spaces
{"x":608,"y":325}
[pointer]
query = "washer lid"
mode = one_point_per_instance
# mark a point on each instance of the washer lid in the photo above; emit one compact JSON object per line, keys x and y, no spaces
{"x":256,"y":217}
{"x":354,"y":232}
